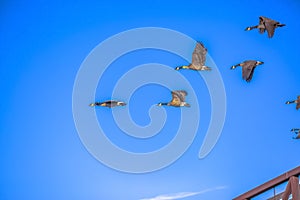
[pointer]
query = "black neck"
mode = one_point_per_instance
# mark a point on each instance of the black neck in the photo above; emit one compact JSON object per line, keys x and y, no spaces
{"x":253,"y":27}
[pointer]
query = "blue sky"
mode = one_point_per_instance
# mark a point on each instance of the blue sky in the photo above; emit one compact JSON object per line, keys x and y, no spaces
{"x":44,"y":43}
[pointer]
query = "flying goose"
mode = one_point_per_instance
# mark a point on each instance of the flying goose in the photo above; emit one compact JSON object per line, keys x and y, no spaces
{"x":178,"y":99}
{"x":266,"y":24}
{"x":198,"y":59}
{"x":297,"y":132}
{"x":109,"y":103}
{"x":297,"y":102}
{"x":248,"y":68}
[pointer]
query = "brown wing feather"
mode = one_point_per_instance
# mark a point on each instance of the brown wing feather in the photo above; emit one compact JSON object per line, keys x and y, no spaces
{"x":181,"y":94}
{"x":246,"y":73}
{"x":298,"y":106}
{"x":175,"y":98}
{"x":199,"y":55}
{"x":270,"y":26}
{"x":251,"y":75}
{"x":248,"y":70}
{"x":298,"y":103}
{"x":261,"y":23}
{"x":270,"y":29}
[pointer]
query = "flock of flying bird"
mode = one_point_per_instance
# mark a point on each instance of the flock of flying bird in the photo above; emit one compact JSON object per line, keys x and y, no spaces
{"x":198,"y":64}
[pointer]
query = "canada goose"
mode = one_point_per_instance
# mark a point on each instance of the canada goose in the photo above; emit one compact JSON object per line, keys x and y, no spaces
{"x":198,"y":59}
{"x":297,"y":102}
{"x":109,"y":104}
{"x":248,"y":67}
{"x":297,"y":132}
{"x":178,"y":99}
{"x":266,"y":24}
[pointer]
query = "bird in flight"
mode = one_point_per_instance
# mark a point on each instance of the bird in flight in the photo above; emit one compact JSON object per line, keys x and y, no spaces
{"x":178,"y":99}
{"x":198,"y":59}
{"x":248,"y":68}
{"x":297,"y":132}
{"x":109,"y":103}
{"x":266,"y":24}
{"x":297,"y":102}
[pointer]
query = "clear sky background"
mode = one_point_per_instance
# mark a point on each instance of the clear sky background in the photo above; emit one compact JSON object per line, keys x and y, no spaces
{"x":43,"y":44}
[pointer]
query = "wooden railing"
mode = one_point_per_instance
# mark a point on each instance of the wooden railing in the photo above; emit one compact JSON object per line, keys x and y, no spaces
{"x":273,"y":183}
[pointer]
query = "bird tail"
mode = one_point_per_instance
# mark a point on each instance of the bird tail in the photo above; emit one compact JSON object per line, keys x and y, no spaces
{"x":281,"y":25}
{"x":187,"y":105}
{"x":206,"y":68}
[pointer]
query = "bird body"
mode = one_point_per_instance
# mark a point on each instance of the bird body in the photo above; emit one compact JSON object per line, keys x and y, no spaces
{"x":109,"y":103}
{"x":297,"y":102}
{"x":198,"y":59}
{"x":248,"y":68}
{"x":178,"y":99}
{"x":266,"y":24}
{"x":297,"y":132}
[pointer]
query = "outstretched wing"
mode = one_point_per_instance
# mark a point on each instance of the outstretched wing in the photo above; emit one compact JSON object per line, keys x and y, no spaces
{"x":175,"y":98}
{"x":270,"y":26}
{"x":248,"y":70}
{"x":199,"y":55}
{"x":251,"y":75}
{"x":261,"y":23}
{"x":181,"y":94}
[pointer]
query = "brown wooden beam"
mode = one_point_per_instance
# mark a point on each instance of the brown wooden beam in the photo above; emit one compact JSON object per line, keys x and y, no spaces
{"x":292,"y":188}
{"x":270,"y":184}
